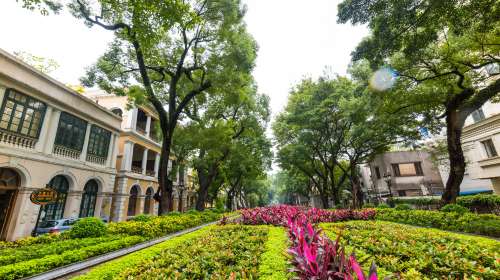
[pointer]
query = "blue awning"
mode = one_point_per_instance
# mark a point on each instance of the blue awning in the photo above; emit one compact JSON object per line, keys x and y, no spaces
{"x":469,"y":192}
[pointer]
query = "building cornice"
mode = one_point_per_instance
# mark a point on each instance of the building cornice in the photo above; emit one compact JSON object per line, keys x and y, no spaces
{"x":479,"y":129}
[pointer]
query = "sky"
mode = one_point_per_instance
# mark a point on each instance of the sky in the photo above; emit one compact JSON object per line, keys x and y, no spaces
{"x":297,"y":39}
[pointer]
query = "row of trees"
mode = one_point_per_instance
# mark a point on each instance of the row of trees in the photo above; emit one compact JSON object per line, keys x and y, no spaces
{"x":191,"y":61}
{"x":329,"y":127}
{"x":443,"y":57}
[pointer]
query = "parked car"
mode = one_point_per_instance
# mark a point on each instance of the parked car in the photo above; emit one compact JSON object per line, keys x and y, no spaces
{"x":55,"y":226}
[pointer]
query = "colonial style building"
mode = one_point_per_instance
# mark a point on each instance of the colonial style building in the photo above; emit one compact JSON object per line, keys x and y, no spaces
{"x":402,"y":173}
{"x":138,"y":160}
{"x":52,"y":136}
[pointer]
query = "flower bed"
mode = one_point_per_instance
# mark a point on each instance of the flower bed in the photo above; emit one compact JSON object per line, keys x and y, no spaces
{"x":29,"y":256}
{"x":216,"y":252}
{"x":418,"y":253}
{"x":484,"y":224}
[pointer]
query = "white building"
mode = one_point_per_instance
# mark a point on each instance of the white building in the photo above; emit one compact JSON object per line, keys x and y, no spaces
{"x":51,"y":136}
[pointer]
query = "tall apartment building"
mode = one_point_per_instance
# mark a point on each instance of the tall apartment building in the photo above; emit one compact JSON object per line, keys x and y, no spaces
{"x":51,"y":136}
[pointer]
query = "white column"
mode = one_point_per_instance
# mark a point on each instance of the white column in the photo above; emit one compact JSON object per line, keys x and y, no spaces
{"x":83,"y":155}
{"x":111,"y":147}
{"x":2,"y":94}
{"x":114,"y":151}
{"x":42,"y":139}
{"x":148,"y":125}
{"x":132,"y":118}
{"x":51,"y":135}
{"x":144,"y":161}
{"x":157,"y":164}
{"x":128,"y":151}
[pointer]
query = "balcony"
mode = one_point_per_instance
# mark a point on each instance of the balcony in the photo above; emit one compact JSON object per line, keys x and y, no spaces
{"x":66,"y":152}
{"x":96,"y":159}
{"x":136,"y":169}
{"x":16,"y":140}
{"x":147,"y":126}
{"x":143,"y":161}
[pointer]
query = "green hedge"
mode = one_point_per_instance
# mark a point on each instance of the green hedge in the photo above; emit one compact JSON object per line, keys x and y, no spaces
{"x":478,"y":202}
{"x":418,"y":253}
{"x":485,"y":224}
{"x":273,"y":262}
{"x":35,"y":266}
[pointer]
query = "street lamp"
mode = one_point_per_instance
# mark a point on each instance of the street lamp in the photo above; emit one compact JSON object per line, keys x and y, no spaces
{"x":387,"y":179}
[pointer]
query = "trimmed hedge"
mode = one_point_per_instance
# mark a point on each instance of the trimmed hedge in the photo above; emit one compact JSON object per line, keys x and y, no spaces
{"x":481,"y":203}
{"x":35,"y":266}
{"x":485,"y":224}
{"x":418,"y":253}
{"x":88,"y":227}
{"x":273,"y":262}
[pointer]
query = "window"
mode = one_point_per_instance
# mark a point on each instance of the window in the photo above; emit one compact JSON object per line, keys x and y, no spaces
{"x":132,"y":201}
{"x":407,"y":169}
{"x":22,"y":114}
{"x":55,"y":211}
{"x":147,"y":201}
{"x":402,"y":193}
{"x":478,"y":115}
{"x":489,"y":147}
{"x":71,"y":132}
{"x":89,"y":196}
{"x":377,"y":172}
{"x":99,"y":141}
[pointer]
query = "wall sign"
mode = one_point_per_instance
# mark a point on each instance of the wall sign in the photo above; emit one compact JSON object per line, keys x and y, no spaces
{"x":43,"y":196}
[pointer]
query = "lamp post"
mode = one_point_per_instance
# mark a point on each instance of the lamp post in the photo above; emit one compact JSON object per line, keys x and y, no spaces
{"x":387,"y":179}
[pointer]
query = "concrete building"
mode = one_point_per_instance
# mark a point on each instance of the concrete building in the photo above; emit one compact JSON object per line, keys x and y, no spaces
{"x":51,"y":136}
{"x":138,"y":160}
{"x":411,"y":174}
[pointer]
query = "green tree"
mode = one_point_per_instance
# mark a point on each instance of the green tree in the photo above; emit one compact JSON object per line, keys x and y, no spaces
{"x":446,"y":55}
{"x":167,"y":53}
{"x":40,"y":63}
{"x":44,"y":6}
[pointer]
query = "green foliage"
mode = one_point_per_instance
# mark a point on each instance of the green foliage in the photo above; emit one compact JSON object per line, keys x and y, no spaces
{"x":369,"y":205}
{"x":485,"y":224}
{"x":142,"y":218}
{"x":403,"y":206}
{"x":480,"y":200}
{"x":382,"y":206}
{"x":418,"y":253}
{"x":88,"y":227}
{"x":455,"y":208}
{"x":220,"y":252}
{"x":43,"y":6}
{"x":59,"y":258}
{"x":42,"y":64}
{"x":273,"y":262}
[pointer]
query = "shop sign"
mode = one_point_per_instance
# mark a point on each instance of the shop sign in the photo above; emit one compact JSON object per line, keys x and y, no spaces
{"x":43,"y":196}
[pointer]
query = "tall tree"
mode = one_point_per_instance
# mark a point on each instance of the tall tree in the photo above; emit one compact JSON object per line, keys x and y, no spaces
{"x":44,"y":6}
{"x":446,"y":55}
{"x":166,"y":53}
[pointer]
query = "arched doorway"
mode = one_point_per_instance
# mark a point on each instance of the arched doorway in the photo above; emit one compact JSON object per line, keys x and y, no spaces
{"x":9,"y":183}
{"x":148,"y":201}
{"x":54,"y":211}
{"x":89,"y":197}
{"x":132,"y":201}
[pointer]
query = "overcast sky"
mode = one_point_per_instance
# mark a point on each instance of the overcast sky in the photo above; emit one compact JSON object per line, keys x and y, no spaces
{"x":297,"y":38}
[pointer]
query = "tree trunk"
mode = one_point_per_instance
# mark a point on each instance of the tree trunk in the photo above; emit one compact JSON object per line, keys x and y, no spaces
{"x":324,"y":197}
{"x":229,"y":200}
{"x":454,"y":124}
{"x":165,"y":188}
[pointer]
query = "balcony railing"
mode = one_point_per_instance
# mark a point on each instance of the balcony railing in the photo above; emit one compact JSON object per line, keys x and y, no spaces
{"x":96,"y":159}
{"x":66,"y":152}
{"x":151,"y":173}
{"x":17,"y":140}
{"x":136,"y":169}
{"x":141,"y":130}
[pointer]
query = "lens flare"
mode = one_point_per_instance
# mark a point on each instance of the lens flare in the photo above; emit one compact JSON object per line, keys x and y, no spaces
{"x":383,"y":79}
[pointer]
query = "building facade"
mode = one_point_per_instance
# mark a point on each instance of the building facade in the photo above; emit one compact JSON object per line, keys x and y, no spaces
{"x":51,"y":136}
{"x":138,"y":159}
{"x":411,"y":173}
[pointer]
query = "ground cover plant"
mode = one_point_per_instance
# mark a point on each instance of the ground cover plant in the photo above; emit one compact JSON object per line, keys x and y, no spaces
{"x":418,"y":253}
{"x":484,"y":224}
{"x":34,"y":255}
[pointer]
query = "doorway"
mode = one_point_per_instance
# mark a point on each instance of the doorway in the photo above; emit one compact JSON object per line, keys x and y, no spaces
{"x":9,"y":184}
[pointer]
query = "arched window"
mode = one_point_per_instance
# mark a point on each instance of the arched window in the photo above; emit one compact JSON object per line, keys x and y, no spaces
{"x":55,"y":211}
{"x":148,"y":201}
{"x":9,"y":184}
{"x":132,"y":201}
{"x":117,"y":111}
{"x":89,"y":197}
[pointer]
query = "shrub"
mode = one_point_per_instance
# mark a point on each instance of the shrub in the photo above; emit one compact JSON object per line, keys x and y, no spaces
{"x":382,"y":206}
{"x":88,"y":227}
{"x":142,"y":218}
{"x":485,"y":224}
{"x":274,"y":262}
{"x":418,"y":253}
{"x":369,"y":205}
{"x":403,"y":206}
{"x":454,"y":208}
